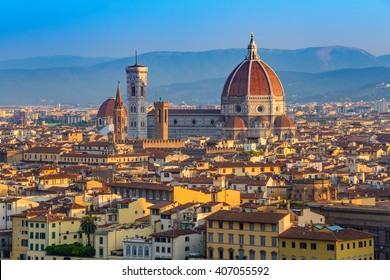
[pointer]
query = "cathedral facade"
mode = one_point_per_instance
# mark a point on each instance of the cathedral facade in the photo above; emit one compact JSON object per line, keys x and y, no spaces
{"x":252,"y":107}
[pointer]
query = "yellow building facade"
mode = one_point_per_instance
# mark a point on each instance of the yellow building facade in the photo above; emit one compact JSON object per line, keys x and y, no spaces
{"x":244,"y":235}
{"x":184,"y":195}
{"x":31,"y":234}
{"x":134,"y":210}
{"x":247,"y":168}
{"x":325,"y":243}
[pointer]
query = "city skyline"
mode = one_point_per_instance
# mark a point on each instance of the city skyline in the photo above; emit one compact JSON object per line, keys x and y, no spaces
{"x":118,"y":28}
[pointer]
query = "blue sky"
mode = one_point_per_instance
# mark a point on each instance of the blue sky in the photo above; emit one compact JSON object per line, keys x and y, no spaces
{"x":116,"y":28}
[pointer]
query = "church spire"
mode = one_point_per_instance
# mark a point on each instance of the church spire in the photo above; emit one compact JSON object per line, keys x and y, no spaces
{"x":120,"y":118}
{"x":118,"y":99}
{"x":252,"y":49}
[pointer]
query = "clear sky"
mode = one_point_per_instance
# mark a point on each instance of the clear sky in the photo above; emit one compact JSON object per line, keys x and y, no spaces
{"x":112,"y":28}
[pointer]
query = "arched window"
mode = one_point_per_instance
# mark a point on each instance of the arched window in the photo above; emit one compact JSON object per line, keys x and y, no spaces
{"x":146,"y":252}
{"x":158,"y":117}
{"x":220,"y":253}
{"x":140,"y":252}
{"x":211,"y":253}
{"x":134,"y":251}
{"x":187,"y":248}
{"x":274,"y":255}
{"x":128,"y":250}
{"x":132,"y":90}
{"x":263,"y":255}
{"x":231,"y":253}
{"x":241,"y":254}
{"x":251,"y":255}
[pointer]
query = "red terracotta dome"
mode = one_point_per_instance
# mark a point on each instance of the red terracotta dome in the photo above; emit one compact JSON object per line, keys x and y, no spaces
{"x":107,"y":109}
{"x":252,"y":77}
{"x":283,"y":122}
{"x":235,"y":122}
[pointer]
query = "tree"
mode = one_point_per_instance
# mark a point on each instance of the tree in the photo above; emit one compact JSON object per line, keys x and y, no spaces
{"x":88,"y":226}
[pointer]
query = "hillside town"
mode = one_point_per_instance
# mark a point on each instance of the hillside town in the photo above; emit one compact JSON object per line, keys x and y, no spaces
{"x":254,"y":178}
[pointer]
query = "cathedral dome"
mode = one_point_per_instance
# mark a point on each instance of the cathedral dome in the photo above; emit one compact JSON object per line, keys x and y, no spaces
{"x":106,"y":109}
{"x":283,"y":122}
{"x":252,"y":77}
{"x":235,"y":123}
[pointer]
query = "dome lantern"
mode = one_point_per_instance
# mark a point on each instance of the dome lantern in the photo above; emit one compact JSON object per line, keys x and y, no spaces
{"x":252,"y":49}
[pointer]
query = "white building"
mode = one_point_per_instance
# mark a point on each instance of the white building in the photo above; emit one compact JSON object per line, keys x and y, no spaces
{"x":137,"y":248}
{"x":381,"y":105}
{"x":177,"y":244}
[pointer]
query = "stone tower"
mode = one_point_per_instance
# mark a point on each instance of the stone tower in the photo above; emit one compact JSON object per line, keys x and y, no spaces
{"x":119,"y":118}
{"x":136,"y":81}
{"x":161,"y":120}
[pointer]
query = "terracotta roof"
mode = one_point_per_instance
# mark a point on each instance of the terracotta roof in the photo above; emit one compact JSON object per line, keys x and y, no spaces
{"x":213,"y":203}
{"x":179,"y":208}
{"x":235,"y":122}
{"x":249,"y":195}
{"x":143,"y":219}
{"x":251,"y":217}
{"x":283,"y":121}
{"x":46,"y":150}
{"x":9,"y":199}
{"x":107,"y":108}
{"x":160,"y":205}
{"x":52,"y":218}
{"x":142,"y":185}
{"x":60,"y":175}
{"x":254,"y":78}
{"x":174,"y":233}
{"x":337,"y":235}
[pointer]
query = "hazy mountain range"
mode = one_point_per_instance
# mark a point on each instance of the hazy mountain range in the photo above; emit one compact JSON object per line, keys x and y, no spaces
{"x":310,"y":74}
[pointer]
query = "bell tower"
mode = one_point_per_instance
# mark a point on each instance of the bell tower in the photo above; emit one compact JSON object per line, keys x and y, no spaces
{"x":119,"y":118}
{"x":161,"y":120}
{"x":136,"y":82}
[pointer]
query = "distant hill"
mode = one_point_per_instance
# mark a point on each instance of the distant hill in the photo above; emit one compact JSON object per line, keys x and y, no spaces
{"x":43,"y":62}
{"x":338,"y":85}
{"x":192,"y":77}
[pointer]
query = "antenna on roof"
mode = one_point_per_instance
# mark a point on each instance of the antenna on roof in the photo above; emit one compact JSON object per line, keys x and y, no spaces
{"x":136,"y":58}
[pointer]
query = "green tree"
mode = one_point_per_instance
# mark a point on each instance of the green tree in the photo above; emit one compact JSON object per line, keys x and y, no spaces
{"x":88,"y":226}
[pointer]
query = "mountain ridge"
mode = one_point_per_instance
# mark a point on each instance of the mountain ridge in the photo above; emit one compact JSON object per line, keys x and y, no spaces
{"x":94,"y":79}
